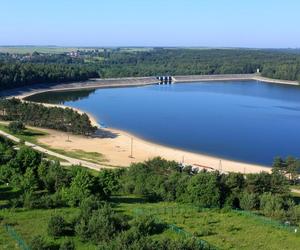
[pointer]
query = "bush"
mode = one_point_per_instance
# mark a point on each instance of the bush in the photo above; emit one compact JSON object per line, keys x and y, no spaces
{"x":82,"y":186}
{"x":67,"y":245}
{"x":205,"y":231}
{"x":147,"y":225}
{"x":103,"y":224}
{"x":56,"y":226}
{"x":16,"y":127}
{"x":38,"y":243}
{"x":248,"y":201}
{"x":204,"y":190}
{"x":271,"y":205}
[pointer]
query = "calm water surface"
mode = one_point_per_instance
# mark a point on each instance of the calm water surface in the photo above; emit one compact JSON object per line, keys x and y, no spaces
{"x":249,"y":121}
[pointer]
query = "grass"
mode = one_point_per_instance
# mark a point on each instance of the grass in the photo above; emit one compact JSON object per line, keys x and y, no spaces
{"x":93,"y":157}
{"x":295,"y":187}
{"x":30,"y":135}
{"x":223,"y":229}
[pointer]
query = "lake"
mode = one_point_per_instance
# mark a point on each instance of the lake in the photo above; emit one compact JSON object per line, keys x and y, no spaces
{"x":248,"y":121}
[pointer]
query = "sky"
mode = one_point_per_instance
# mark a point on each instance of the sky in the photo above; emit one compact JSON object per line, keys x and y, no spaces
{"x":190,"y":23}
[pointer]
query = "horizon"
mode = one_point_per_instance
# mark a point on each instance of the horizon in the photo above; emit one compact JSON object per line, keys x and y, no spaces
{"x":150,"y":47}
{"x":205,"y":24}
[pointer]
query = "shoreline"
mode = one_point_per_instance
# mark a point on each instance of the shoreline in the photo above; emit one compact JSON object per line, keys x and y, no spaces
{"x":147,"y":149}
{"x":27,"y":91}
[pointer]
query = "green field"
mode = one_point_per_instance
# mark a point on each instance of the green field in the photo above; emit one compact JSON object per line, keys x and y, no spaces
{"x":223,"y":229}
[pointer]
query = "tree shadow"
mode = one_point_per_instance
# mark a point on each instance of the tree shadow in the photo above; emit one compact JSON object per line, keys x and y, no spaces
{"x":296,"y":200}
{"x":101,"y":133}
{"x":128,"y":200}
{"x":31,"y":133}
{"x":7,"y":194}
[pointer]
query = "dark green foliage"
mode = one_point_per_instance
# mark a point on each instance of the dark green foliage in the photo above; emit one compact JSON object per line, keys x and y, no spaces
{"x":248,"y":201}
{"x":102,"y":224}
{"x":14,"y":75}
{"x":53,"y":176}
{"x":25,"y":158}
{"x":204,"y":190}
{"x":83,"y":184}
{"x":264,"y":182}
{"x":38,"y":243}
{"x":67,"y":245}
{"x":272,"y":63}
{"x":289,"y":167}
{"x":109,"y":180}
{"x":265,"y":192}
{"x":56,"y":226}
{"x":130,"y":241}
{"x":151,"y":179}
{"x":16,"y":127}
{"x":147,"y":225}
{"x":64,"y":119}
{"x":272,"y":205}
{"x":48,"y":68}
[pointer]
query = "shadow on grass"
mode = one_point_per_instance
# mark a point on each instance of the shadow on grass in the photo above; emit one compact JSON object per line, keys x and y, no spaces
{"x":6,"y":194}
{"x":128,"y":200}
{"x":32,"y":133}
{"x":296,"y":199}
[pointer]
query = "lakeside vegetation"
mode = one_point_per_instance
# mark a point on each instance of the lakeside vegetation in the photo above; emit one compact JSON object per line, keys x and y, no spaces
{"x":17,"y":70}
{"x":157,"y":204}
{"x":64,"y":119}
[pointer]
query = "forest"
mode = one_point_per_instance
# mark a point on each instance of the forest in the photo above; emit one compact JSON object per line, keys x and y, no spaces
{"x":19,"y":70}
{"x":272,"y":63}
{"x":63,"y":119}
{"x":17,"y":74}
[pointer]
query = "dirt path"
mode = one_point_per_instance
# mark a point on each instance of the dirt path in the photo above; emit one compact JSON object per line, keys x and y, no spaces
{"x":297,"y":191}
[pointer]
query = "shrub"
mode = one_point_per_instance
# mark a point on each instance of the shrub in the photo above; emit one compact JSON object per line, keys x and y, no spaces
{"x":248,"y":201}
{"x":204,"y":190}
{"x":16,"y":127}
{"x":271,"y":205}
{"x":103,"y":224}
{"x":147,"y":225}
{"x":82,"y":185}
{"x":67,"y":245}
{"x":205,"y":231}
{"x":56,"y":226}
{"x":38,"y":243}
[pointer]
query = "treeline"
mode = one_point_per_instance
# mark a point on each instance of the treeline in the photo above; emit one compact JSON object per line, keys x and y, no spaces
{"x":64,"y":119}
{"x":13,"y":75}
{"x":272,"y":63}
{"x":161,"y":180}
{"x":48,"y":68}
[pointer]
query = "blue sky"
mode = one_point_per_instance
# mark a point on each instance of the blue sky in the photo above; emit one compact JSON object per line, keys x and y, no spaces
{"x":212,"y":23}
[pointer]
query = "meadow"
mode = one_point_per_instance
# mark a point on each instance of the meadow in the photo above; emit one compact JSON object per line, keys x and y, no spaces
{"x":224,"y":229}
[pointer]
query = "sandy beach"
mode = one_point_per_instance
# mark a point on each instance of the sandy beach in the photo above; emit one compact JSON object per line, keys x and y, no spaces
{"x":117,"y":149}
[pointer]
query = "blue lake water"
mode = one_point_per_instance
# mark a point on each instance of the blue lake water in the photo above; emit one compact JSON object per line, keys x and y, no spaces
{"x":248,"y":121}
